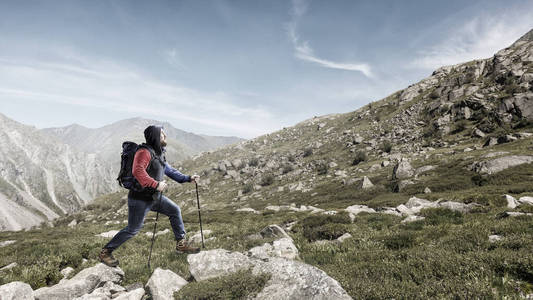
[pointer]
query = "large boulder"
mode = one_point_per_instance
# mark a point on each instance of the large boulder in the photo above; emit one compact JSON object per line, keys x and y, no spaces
{"x":163,"y":283}
{"x":82,"y":283}
{"x":16,"y":290}
{"x":274,"y":231}
{"x":500,"y":164}
{"x":136,"y":294}
{"x":215,"y":263}
{"x":403,"y":170}
{"x":292,"y":279}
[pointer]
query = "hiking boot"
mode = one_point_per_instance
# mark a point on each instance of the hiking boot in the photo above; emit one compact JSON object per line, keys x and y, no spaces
{"x":182,"y":246}
{"x":106,"y":256}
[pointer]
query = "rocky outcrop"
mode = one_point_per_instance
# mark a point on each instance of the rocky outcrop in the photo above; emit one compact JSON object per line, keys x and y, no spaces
{"x":85,"y":282}
{"x":16,"y":290}
{"x":163,"y":283}
{"x":500,"y":164}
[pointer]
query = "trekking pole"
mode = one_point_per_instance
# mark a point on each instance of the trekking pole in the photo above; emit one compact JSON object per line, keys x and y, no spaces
{"x":199,"y":215}
{"x":153,"y":236}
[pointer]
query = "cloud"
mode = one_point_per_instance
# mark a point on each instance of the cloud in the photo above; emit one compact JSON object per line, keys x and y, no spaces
{"x":108,"y":86}
{"x":171,"y":56}
{"x":303,"y":51}
{"x":480,"y":37}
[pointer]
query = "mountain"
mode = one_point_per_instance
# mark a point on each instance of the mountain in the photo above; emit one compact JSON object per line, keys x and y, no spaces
{"x":105,"y":141}
{"x":42,"y":178}
{"x":423,"y":194}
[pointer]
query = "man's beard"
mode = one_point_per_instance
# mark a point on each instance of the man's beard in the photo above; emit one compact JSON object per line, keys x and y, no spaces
{"x":163,"y":143}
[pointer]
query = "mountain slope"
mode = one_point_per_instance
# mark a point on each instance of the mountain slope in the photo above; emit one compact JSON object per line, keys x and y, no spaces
{"x":105,"y":141}
{"x":42,"y":178}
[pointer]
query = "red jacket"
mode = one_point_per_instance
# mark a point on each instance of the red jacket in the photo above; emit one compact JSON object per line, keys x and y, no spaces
{"x":140,"y":163}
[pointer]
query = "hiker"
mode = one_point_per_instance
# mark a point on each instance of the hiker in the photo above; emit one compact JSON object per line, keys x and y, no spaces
{"x":149,"y":166}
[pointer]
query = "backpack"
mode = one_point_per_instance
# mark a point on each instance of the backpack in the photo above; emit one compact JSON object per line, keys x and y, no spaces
{"x":125,"y":177}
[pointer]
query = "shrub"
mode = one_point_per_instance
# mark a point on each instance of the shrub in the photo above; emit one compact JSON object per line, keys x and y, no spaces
{"x":308,"y":152}
{"x":322,"y":168}
{"x":254,"y":162}
{"x":440,"y":215}
{"x":324,"y":226}
{"x":287,"y":168}
{"x":267,"y":179}
{"x":360,"y":156}
{"x":240,"y":285}
{"x":386,"y":146}
{"x":399,"y":241}
{"x":247,"y":188}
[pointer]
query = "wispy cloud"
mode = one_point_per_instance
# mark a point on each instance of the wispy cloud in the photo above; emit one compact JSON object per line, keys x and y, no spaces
{"x":303,"y":50}
{"x":108,"y":86}
{"x":480,"y":37}
{"x":171,"y":56}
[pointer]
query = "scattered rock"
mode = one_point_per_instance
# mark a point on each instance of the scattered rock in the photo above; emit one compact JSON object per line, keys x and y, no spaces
{"x":343,"y":237}
{"x":6,"y":243}
{"x":457,"y":206}
{"x":274,"y":231}
{"x":16,"y":290}
{"x":73,"y":223}
{"x":494,"y":238}
{"x":427,"y":190}
{"x":163,"y":283}
{"x":215,"y":263}
{"x":197,"y":237}
{"x":284,"y":248}
{"x":108,"y":234}
{"x":150,"y":234}
{"x":247,"y":209}
{"x":403,"y":170}
{"x":410,"y":219}
{"x":82,"y":283}
{"x":136,"y":294}
{"x":526,"y":199}
{"x":66,"y":271}
{"x":500,"y":164}
{"x":9,"y":267}
{"x":511,"y":202}
{"x":357,"y":209}
{"x":367,"y":183}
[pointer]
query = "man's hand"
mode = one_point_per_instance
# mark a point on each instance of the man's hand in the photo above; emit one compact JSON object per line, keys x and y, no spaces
{"x":161,"y":186}
{"x":195,"y":178}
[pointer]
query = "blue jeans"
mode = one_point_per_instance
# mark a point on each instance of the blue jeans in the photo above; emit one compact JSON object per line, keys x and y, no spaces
{"x":137,"y":210}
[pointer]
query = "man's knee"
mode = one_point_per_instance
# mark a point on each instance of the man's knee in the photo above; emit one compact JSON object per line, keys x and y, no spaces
{"x":133,"y":230}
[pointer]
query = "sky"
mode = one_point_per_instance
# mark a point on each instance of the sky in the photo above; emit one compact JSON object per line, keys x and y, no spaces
{"x":232,"y":68}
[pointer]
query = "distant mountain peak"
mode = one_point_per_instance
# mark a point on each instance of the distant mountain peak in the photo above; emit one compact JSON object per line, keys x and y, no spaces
{"x":528,"y":37}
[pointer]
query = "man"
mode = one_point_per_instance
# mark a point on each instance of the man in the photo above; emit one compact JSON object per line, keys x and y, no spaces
{"x":149,"y":166}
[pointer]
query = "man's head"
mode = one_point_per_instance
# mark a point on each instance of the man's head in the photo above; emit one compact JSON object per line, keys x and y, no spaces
{"x":155,"y":137}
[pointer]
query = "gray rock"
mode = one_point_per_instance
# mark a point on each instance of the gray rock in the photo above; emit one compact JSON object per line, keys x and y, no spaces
{"x":357,"y":209}
{"x":494,"y":238}
{"x":403,"y":170}
{"x":6,"y":243}
{"x":215,"y":263}
{"x":427,"y":190}
{"x":404,"y":183}
{"x":424,"y":169}
{"x":292,"y":279}
{"x":274,"y":231}
{"x":526,"y":199}
{"x":73,"y":223}
{"x":343,"y":237}
{"x":163,"y":283}
{"x":82,"y":283}
{"x":108,"y":234}
{"x":16,"y":290}
{"x":511,"y":202}
{"x":413,"y":218}
{"x":9,"y":267}
{"x":457,"y":206}
{"x":150,"y":234}
{"x":491,"y":142}
{"x":366,"y":183}
{"x":247,"y":209}
{"x":197,"y":238}
{"x":136,"y":294}
{"x":500,"y":164}
{"x":284,"y":248}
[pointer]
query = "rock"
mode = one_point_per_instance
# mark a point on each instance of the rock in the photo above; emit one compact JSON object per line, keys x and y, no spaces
{"x":340,"y":173}
{"x":494,"y":238}
{"x":273,"y":207}
{"x":104,"y":292}
{"x":457,"y":206}
{"x":516,"y":214}
{"x":357,"y":209}
{"x":478,"y":133}
{"x":284,"y":248}
{"x":16,"y":290}
{"x":73,"y":223}
{"x":291,"y":279}
{"x":427,"y":190}
{"x":366,"y":183}
{"x":136,"y":294}
{"x":343,"y":237}
{"x":150,"y":234}
{"x":410,"y":219}
{"x":82,"y":283}
{"x":214,"y":263}
{"x":9,"y":267}
{"x":526,"y":199}
{"x":197,"y":238}
{"x":385,"y":163}
{"x":491,"y":142}
{"x":500,"y":164}
{"x":108,"y":234}
{"x":274,"y":231}
{"x":403,"y":170}
{"x":163,"y":283}
{"x":493,"y":154}
{"x":134,"y":286}
{"x":247,"y":209}
{"x":66,"y":271}
{"x":511,"y":202}
{"x":424,"y":169}
{"x":404,"y":183}
{"x":6,"y":243}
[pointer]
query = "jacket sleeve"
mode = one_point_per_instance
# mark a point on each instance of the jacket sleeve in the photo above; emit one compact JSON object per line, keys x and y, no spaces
{"x":175,"y":174}
{"x":140,"y":163}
